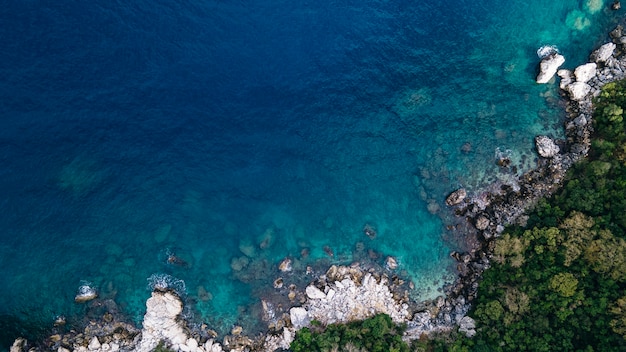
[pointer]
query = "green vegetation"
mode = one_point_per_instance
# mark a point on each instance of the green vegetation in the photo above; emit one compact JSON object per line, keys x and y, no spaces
{"x":559,"y":284}
{"x":375,"y":334}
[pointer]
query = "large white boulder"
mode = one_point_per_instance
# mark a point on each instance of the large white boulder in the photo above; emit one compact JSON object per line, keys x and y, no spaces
{"x":546,"y":147}
{"x":578,"y":90}
{"x":299,"y":317}
{"x":548,"y":67}
{"x":161,"y":321}
{"x":585,"y":72}
{"x":314,"y":293}
{"x":603,"y":53}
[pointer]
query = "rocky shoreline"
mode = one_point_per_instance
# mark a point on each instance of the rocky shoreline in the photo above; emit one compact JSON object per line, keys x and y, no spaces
{"x":346,"y":293}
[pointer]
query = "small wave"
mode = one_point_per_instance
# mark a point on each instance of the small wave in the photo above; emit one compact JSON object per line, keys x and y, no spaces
{"x":164,"y":282}
{"x":547,"y":50}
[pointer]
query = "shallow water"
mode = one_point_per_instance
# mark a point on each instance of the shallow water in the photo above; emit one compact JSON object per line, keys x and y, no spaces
{"x":227,"y":133}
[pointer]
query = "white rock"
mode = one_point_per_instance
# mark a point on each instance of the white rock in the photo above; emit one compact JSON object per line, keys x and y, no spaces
{"x":192,"y":343}
{"x":585,"y":72}
{"x":114,"y":347}
{"x":567,"y":78}
{"x":94,"y":344}
{"x":330,"y":294}
{"x":546,"y":147}
{"x":62,"y":349}
{"x":578,"y":90}
{"x":18,"y":345}
{"x":314,"y":293}
{"x":160,"y":322}
{"x":299,"y":317}
{"x":391,"y":263}
{"x":85,"y":293}
{"x":548,"y":67}
{"x":603,"y":53}
{"x":467,"y":326}
{"x":184,"y":348}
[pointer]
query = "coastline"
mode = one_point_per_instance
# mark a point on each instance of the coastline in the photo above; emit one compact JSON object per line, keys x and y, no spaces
{"x":488,"y":211}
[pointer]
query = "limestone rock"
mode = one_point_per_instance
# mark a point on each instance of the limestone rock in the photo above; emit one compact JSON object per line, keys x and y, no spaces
{"x":578,"y":90}
{"x":19,"y":345}
{"x":603,"y":53}
{"x":456,"y":197}
{"x":314,"y":293}
{"x":161,"y":321}
{"x":299,"y":317}
{"x":546,"y":147}
{"x":391,"y":263}
{"x":94,"y":344}
{"x":548,"y":67}
{"x":585,"y":72}
{"x":567,"y":78}
{"x":467,"y":326}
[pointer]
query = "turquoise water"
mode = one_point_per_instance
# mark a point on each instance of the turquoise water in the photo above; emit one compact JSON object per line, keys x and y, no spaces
{"x":237,"y":134}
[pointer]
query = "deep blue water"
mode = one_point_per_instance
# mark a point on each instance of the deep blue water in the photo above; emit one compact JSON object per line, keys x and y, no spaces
{"x":210,"y":129}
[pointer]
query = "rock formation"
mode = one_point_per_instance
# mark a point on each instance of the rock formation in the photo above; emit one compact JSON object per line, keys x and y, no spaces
{"x":548,"y":67}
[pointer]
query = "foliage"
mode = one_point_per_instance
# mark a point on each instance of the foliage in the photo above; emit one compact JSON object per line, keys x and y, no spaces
{"x":560,"y":283}
{"x":378,"y":333}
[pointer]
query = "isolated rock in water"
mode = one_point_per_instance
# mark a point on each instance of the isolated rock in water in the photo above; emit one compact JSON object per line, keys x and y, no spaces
{"x":85,"y":293}
{"x":548,"y":67}
{"x":585,"y":72}
{"x":456,"y":197}
{"x":391,"y":263}
{"x":546,"y":147}
{"x":603,"y":53}
{"x":578,"y":90}
{"x":299,"y":317}
{"x":285,"y":265}
{"x":546,"y":51}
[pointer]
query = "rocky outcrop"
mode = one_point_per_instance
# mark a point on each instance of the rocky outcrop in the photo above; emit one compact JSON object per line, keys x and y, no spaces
{"x":603,"y":53}
{"x":546,"y":147}
{"x":548,"y":67}
{"x":85,"y":293}
{"x":584,"y":73}
{"x":161,"y":322}
{"x":489,"y":210}
{"x":456,"y":197}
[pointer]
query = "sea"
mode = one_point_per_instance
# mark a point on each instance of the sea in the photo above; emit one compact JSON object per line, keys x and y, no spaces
{"x":200,"y":143}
